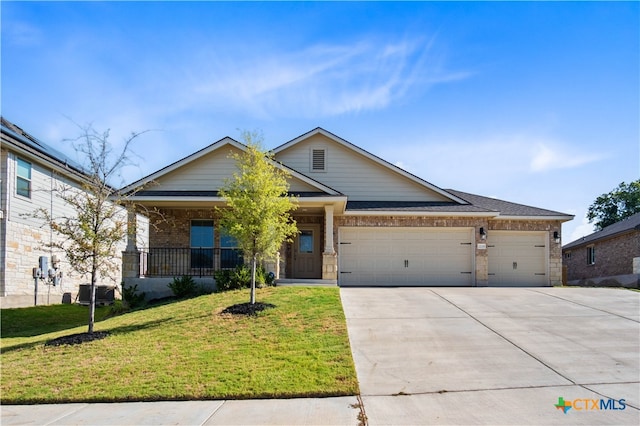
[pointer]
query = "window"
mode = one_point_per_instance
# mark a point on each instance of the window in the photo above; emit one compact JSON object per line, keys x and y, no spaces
{"x":567,"y":255}
{"x":23,"y":179}
{"x":305,"y":242}
{"x":591,"y":255}
{"x":230,"y":254}
{"x":318,"y":160}
{"x":202,"y":244}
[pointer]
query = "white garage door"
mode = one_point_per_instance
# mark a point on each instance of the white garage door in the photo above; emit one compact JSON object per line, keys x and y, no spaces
{"x":517,"y":258}
{"x":406,"y":256}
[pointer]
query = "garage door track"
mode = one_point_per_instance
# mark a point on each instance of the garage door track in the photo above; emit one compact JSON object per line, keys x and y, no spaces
{"x":496,"y":355}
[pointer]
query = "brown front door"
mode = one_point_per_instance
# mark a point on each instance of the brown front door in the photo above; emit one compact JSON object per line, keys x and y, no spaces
{"x":307,"y":257}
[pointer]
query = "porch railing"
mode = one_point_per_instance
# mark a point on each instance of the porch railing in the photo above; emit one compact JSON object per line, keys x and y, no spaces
{"x":197,"y":262}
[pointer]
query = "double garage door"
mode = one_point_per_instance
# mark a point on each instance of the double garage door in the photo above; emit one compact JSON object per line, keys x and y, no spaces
{"x":439,"y":257}
{"x":406,"y":257}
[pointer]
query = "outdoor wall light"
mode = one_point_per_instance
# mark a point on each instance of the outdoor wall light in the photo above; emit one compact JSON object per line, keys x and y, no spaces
{"x":483,"y":234}
{"x":556,"y":237}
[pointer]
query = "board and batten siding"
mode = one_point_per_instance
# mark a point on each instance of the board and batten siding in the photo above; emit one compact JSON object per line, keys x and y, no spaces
{"x":353,"y":174}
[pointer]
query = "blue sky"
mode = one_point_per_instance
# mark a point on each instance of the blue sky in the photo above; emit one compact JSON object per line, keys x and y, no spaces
{"x":535,"y":103}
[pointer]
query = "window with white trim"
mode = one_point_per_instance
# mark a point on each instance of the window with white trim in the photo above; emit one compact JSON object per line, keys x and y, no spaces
{"x":23,"y":178}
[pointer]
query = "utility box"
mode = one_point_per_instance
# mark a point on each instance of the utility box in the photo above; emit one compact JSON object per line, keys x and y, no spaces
{"x":105,"y":295}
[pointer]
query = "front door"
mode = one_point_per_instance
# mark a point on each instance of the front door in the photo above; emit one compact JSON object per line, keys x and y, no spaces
{"x":307,"y":257}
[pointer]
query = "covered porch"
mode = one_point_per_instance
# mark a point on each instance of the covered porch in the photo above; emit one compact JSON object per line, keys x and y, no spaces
{"x":184,"y":238}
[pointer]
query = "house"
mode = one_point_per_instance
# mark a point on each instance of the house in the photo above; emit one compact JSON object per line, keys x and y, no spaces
{"x":29,"y":172}
{"x":609,"y":257}
{"x":362,"y":222}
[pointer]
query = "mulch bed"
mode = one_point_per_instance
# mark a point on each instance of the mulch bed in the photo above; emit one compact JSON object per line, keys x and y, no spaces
{"x":77,"y":339}
{"x":247,"y":308}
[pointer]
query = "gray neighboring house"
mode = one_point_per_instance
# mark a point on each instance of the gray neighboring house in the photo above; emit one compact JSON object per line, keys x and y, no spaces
{"x":29,"y":170}
{"x":609,"y":257}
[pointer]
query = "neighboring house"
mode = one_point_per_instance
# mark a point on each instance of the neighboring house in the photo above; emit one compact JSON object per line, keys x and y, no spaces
{"x":608,"y":257}
{"x":362,"y":222}
{"x":29,"y":172}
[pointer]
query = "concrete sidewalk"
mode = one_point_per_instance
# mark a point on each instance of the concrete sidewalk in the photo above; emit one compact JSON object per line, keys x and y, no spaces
{"x":495,"y":355}
{"x":310,"y":411}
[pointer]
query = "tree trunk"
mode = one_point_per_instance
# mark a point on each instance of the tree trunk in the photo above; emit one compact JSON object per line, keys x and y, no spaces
{"x":253,"y":280}
{"x":92,"y":300}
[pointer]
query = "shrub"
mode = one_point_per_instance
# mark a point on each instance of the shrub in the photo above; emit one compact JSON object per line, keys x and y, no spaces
{"x":119,"y":307}
{"x":183,"y":287}
{"x":131,"y":297}
{"x":240,"y":277}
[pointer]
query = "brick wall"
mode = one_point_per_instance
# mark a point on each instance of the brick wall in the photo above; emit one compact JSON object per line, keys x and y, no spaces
{"x":613,"y":256}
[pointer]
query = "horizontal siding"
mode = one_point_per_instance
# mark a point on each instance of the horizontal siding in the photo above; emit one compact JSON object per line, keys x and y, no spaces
{"x":360,"y":178}
{"x":208,"y":174}
{"x":204,"y":174}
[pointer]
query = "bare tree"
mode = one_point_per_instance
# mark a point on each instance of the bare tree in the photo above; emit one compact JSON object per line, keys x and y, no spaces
{"x":96,"y":221}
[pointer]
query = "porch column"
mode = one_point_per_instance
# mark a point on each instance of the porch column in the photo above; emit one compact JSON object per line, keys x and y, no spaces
{"x":329,"y":256}
{"x":131,"y":255}
{"x":328,"y":229}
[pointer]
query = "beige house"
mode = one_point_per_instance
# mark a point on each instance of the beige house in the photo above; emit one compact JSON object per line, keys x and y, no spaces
{"x":362,"y":222}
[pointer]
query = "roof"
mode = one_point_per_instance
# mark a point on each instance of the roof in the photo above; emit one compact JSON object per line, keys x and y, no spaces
{"x":370,"y":156}
{"x":631,"y":223}
{"x":507,"y":209}
{"x":36,"y":146}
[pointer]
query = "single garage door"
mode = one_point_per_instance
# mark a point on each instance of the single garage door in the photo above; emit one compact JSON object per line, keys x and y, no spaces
{"x":406,"y":256}
{"x":517,"y":258}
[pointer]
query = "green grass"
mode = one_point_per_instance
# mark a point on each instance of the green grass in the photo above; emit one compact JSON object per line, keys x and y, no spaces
{"x":187,"y":350}
{"x":26,"y":322}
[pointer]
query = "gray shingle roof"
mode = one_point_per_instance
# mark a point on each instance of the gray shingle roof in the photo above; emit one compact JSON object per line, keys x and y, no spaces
{"x":625,"y":225}
{"x":506,"y":208}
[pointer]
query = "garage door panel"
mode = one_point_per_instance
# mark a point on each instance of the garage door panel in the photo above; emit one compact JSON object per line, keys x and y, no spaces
{"x":517,"y":258}
{"x":410,"y":256}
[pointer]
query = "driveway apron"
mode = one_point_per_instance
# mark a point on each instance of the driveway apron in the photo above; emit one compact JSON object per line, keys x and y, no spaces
{"x":496,"y":355}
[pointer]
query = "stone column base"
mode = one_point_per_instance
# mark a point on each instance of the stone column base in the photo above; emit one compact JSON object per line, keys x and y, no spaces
{"x":329,"y":266}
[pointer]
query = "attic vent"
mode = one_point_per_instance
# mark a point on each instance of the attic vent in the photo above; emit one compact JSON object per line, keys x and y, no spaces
{"x":318,"y":160}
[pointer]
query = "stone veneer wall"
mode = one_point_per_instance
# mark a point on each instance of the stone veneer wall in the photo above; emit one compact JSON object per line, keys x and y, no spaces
{"x":24,"y":247}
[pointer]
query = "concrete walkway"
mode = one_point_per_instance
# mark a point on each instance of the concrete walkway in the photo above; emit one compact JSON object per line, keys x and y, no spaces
{"x":442,"y":356}
{"x":310,"y":411}
{"x":495,"y":355}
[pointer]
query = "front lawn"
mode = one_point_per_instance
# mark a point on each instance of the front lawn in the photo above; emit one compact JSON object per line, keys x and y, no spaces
{"x":188,"y":350}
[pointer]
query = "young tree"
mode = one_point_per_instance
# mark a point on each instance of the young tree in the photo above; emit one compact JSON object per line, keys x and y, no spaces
{"x":616,"y":205}
{"x":258,"y":205}
{"x":96,"y":220}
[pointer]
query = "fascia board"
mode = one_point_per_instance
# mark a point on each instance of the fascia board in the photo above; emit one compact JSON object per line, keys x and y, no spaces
{"x":418,"y":213}
{"x":563,"y":218}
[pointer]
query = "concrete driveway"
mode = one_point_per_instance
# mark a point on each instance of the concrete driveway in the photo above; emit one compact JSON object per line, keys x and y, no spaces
{"x":496,"y":355}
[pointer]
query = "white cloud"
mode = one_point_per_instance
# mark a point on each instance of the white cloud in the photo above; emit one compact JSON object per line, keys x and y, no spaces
{"x":322,"y":80}
{"x":583,"y":229}
{"x":550,"y":156}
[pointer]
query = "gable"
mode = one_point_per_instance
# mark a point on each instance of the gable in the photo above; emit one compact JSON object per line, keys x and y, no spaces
{"x":361,"y":177}
{"x":206,"y":171}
